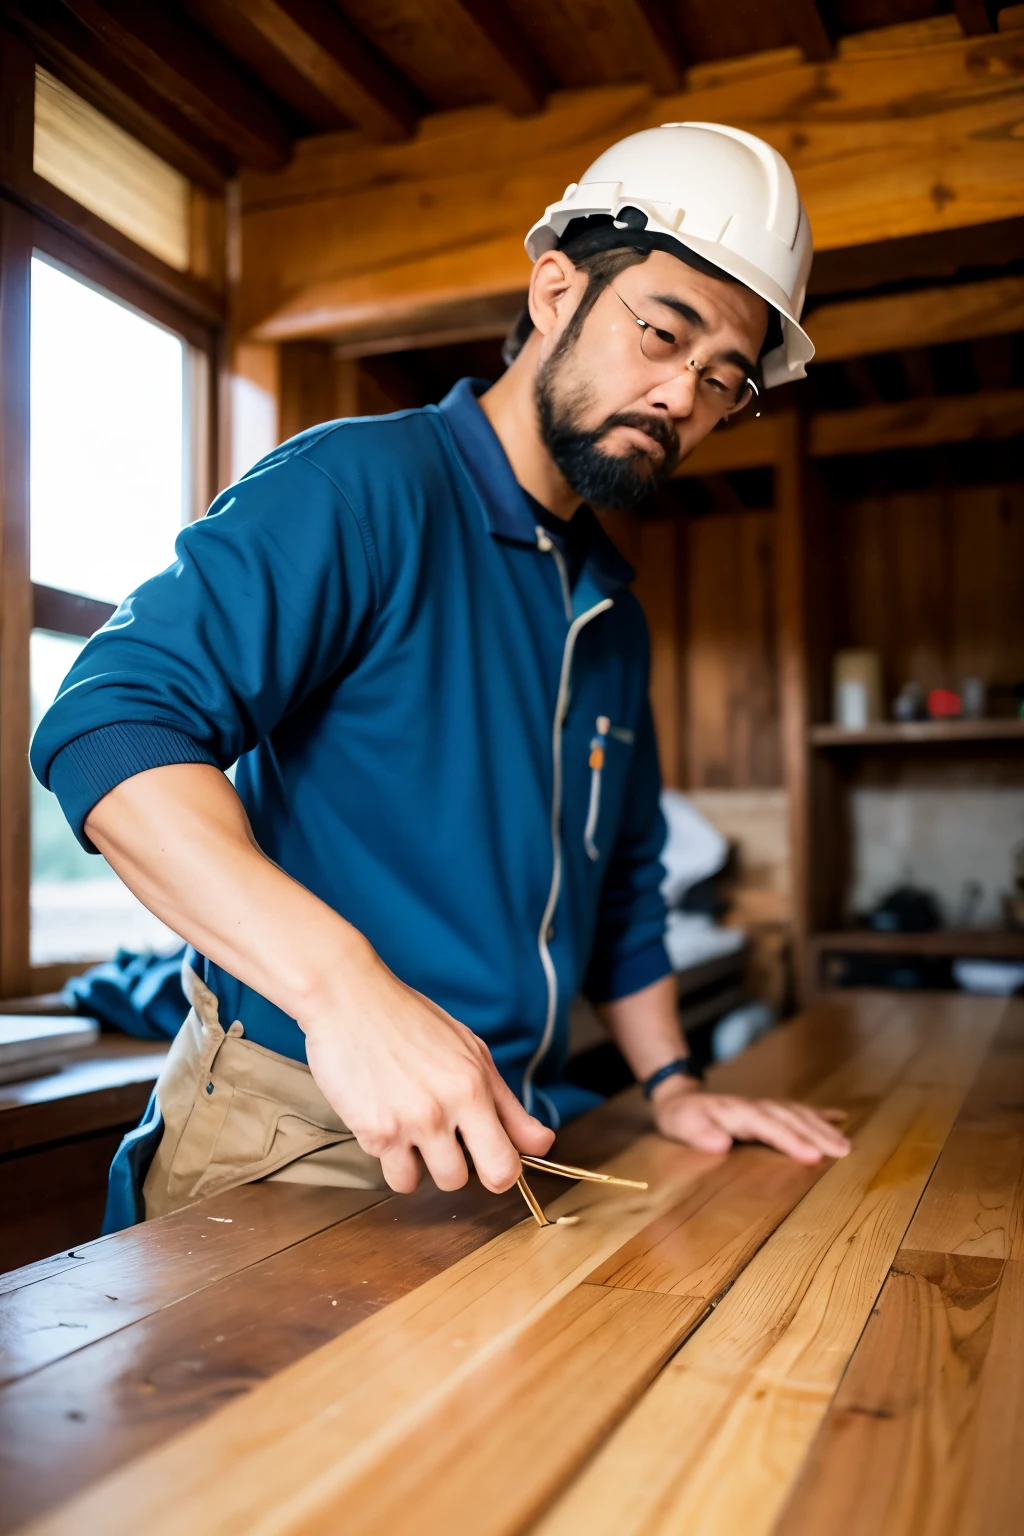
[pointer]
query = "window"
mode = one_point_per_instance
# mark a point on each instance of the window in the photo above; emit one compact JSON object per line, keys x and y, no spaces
{"x":108,"y":493}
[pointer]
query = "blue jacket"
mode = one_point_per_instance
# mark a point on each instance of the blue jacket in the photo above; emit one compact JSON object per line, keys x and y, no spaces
{"x":433,"y":733}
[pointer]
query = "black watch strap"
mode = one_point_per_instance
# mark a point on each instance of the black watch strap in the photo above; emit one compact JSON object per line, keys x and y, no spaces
{"x":683,"y":1066}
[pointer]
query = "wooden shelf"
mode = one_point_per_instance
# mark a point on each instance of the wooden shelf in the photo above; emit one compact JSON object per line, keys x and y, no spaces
{"x":966,"y":943}
{"x":917,"y":733}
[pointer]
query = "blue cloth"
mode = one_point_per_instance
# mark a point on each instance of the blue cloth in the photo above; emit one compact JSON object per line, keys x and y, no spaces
{"x":369,"y":624}
{"x":139,"y":994}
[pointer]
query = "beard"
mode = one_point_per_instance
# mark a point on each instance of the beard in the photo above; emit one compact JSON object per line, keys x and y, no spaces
{"x":616,"y":483}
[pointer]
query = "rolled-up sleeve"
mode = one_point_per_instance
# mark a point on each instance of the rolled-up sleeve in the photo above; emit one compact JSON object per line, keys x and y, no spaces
{"x":269,"y":596}
{"x":629,"y":945}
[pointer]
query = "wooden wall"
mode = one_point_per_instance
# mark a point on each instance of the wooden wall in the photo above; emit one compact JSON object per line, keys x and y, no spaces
{"x":934,"y":581}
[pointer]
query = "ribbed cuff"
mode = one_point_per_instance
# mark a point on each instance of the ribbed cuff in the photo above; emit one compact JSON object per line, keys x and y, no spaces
{"x":612,"y":979}
{"x":92,"y":765}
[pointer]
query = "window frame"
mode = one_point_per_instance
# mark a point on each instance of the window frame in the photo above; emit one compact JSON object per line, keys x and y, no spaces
{"x":36,"y":219}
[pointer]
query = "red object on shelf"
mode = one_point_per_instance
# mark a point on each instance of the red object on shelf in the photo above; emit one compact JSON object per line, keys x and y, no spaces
{"x":943,"y":704}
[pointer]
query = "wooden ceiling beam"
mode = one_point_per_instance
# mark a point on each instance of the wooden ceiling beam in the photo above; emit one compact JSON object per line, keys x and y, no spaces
{"x":176,"y":60}
{"x":754,"y":444}
{"x":977,"y":16}
{"x":807,"y":28}
{"x":905,"y":142}
{"x":925,"y":317}
{"x":506,"y":67}
{"x":319,"y":44}
{"x":77,"y":57}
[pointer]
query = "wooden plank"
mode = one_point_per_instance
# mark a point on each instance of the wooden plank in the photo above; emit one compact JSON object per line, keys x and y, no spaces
{"x":925,"y":317}
{"x":917,"y":423}
{"x":899,"y":733}
{"x":359,"y":242}
{"x":347,"y":1404}
{"x":71,"y":1422}
{"x":67,"y":613}
{"x":598,"y":42}
{"x":717,"y":1441}
{"x":921,"y":1433}
{"x":524,"y":1420}
{"x":456,"y":51}
{"x":729,"y":654}
{"x":176,"y":59}
{"x":111,"y":1088}
{"x":137,"y":1272}
{"x":924,"y":1432}
{"x":332,"y":58}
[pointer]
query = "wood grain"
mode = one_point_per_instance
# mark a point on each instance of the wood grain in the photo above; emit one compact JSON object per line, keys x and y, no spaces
{"x":82,"y":1416}
{"x":156,"y":1264}
{"x":368,"y":1389}
{"x":921,"y":1434}
{"x":503,"y":1442}
{"x":750,"y":1388}
{"x":356,"y":241}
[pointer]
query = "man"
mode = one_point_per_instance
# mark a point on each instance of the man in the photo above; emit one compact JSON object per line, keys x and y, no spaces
{"x":421,"y":650}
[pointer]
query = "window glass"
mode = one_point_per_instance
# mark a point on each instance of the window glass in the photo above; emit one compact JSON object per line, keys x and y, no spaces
{"x":108,"y":438}
{"x":80,"y":909}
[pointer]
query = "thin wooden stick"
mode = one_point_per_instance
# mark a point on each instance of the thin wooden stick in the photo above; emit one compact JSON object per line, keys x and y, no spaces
{"x":567,"y":1171}
{"x":532,"y":1201}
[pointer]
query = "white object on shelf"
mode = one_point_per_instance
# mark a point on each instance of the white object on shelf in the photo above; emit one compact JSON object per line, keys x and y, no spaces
{"x":32,"y":1044}
{"x":997,"y":978}
{"x":741,"y":1028}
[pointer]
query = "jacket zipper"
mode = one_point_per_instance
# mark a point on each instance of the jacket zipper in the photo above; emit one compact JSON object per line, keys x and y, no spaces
{"x":561,"y":708}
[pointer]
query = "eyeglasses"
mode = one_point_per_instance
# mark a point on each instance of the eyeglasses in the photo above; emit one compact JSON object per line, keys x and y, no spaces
{"x":717,"y":386}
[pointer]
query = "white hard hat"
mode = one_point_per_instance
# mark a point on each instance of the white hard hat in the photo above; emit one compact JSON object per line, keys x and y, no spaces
{"x":725,"y":195}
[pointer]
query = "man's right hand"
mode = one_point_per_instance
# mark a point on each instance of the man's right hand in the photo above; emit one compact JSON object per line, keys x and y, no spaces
{"x":410,"y":1081}
{"x":405,"y":1076}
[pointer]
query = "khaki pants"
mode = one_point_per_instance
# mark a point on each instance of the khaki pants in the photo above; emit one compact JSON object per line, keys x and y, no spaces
{"x":235,"y":1112}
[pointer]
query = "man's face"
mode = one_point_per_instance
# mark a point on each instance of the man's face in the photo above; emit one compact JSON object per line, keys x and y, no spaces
{"x":619,"y":406}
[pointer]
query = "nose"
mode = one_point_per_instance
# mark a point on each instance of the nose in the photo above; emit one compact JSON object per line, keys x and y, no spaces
{"x":675,"y":396}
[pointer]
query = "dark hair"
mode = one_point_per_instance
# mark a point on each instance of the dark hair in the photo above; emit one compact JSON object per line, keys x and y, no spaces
{"x":602,"y":248}
{"x":601,"y":267}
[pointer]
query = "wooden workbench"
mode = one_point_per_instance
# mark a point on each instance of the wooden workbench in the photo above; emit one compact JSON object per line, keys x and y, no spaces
{"x":748,"y":1347}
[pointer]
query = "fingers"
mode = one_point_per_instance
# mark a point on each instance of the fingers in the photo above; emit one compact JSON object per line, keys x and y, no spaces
{"x":821,"y":1129}
{"x":761,"y":1120}
{"x":445,"y":1161}
{"x":401,"y":1169}
{"x":524,"y":1130}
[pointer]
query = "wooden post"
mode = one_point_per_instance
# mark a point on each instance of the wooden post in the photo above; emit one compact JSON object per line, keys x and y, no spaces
{"x":17,"y":87}
{"x":793,"y":682}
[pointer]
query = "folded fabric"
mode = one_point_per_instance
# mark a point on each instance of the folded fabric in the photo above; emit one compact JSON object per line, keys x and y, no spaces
{"x":139,"y":994}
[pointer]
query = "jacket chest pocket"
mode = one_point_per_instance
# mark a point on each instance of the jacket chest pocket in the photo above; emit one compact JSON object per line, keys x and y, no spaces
{"x":608,"y":757}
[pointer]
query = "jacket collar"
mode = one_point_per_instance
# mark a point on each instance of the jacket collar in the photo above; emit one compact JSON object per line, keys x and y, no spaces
{"x":506,"y":509}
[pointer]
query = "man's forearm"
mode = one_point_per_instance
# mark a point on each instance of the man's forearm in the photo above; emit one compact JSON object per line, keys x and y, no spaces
{"x":645,"y":1027}
{"x":179,"y":838}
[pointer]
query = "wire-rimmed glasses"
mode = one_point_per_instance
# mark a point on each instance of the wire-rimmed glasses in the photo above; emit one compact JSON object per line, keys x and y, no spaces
{"x":724,"y":388}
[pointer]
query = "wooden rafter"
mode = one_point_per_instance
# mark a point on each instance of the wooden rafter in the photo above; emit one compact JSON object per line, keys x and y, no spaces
{"x":507,"y":68}
{"x":336,"y":63}
{"x":868,"y":429}
{"x":176,"y":60}
{"x":807,"y":28}
{"x":229,"y":24}
{"x":590,"y":42}
{"x":923,"y":318}
{"x":357,"y":242}
{"x":977,"y":16}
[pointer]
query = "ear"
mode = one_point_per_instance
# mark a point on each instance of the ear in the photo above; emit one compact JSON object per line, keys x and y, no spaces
{"x":553,"y":290}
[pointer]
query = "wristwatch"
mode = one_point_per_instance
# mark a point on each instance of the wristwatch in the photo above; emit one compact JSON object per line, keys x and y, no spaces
{"x":683,"y":1066}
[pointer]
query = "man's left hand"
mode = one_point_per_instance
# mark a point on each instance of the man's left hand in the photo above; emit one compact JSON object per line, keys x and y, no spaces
{"x":711,"y":1122}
